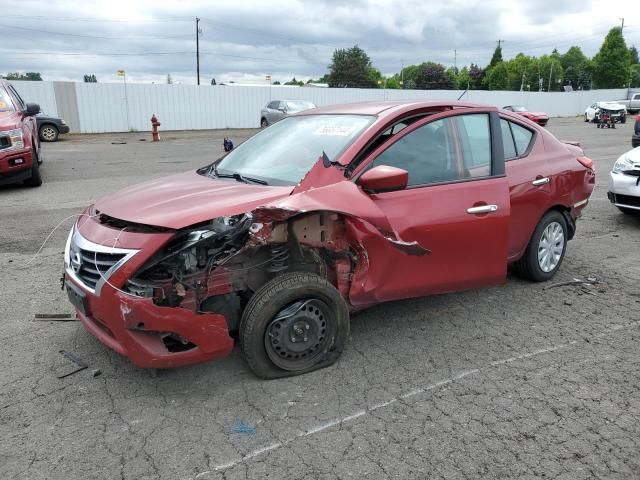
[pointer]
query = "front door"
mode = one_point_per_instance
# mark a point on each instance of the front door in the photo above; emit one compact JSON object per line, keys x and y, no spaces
{"x":456,"y":205}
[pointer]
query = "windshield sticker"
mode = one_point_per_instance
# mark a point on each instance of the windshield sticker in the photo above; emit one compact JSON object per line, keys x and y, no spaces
{"x":333,"y":131}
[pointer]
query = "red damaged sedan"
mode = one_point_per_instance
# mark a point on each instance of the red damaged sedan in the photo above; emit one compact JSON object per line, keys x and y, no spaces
{"x":537,"y":117}
{"x":325,"y":212}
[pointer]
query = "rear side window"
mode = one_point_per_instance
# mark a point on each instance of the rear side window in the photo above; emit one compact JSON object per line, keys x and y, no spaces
{"x":507,"y":140}
{"x":522,"y":137}
{"x":274,"y":105}
{"x":516,"y":140}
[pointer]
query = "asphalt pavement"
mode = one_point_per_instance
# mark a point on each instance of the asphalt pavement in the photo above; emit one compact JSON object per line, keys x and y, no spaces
{"x":519,"y":381}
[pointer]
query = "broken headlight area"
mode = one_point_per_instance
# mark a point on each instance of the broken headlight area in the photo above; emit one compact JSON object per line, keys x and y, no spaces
{"x":182,"y":269}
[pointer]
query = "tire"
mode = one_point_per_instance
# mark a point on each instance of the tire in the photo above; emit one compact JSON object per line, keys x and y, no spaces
{"x":623,"y":119}
{"x":48,"y":133}
{"x":36,"y":178}
{"x":629,"y":211}
{"x":529,"y":266}
{"x":585,"y":118}
{"x":296,"y":323}
{"x":264,"y":123}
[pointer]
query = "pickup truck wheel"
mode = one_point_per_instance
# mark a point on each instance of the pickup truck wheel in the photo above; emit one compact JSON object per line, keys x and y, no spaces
{"x":546,"y":249}
{"x":623,"y":119}
{"x":48,"y":133}
{"x":296,"y":323}
{"x":36,"y":178}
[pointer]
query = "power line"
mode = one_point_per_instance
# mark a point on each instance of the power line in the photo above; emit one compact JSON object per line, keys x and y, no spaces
{"x":132,"y":37}
{"x":94,"y":19}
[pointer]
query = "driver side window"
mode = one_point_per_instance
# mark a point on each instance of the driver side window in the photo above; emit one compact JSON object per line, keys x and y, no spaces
{"x":428,"y":154}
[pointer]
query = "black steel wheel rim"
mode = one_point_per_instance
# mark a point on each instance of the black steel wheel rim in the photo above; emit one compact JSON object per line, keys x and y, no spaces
{"x":299,"y":334}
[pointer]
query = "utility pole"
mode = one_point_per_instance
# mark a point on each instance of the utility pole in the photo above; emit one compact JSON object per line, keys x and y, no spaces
{"x":198,"y":49}
{"x":522,"y":82}
{"x":455,"y":60}
{"x":402,"y":73}
{"x":550,"y":72}
{"x":622,"y":27}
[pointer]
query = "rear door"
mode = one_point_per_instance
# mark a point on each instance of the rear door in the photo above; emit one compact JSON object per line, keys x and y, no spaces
{"x":529,"y":175}
{"x":456,"y":205}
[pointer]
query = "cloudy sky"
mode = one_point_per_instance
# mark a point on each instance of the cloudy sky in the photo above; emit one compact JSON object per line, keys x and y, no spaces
{"x":244,"y":40}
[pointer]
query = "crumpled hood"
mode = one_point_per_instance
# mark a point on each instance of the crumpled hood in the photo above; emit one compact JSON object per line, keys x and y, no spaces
{"x":186,"y":199}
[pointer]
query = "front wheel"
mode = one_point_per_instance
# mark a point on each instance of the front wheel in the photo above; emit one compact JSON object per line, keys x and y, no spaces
{"x":36,"y":179}
{"x":585,"y":118}
{"x":264,"y":123}
{"x":546,"y":249}
{"x":623,"y":119}
{"x":296,"y":323}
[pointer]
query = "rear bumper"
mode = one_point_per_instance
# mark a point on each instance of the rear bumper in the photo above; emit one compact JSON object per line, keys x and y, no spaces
{"x":135,"y":327}
{"x":542,"y":121}
{"x":11,"y":170}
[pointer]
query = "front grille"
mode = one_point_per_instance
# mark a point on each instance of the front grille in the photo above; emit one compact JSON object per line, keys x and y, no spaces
{"x":95,"y":265}
{"x":4,"y":142}
{"x":91,"y":264}
{"x":626,"y":200}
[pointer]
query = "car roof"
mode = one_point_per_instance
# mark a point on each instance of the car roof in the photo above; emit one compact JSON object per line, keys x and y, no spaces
{"x":390,"y":107}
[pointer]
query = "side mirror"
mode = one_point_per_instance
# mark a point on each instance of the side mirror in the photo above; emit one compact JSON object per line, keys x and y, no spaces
{"x":32,"y":109}
{"x":283,"y":109}
{"x":384,"y":178}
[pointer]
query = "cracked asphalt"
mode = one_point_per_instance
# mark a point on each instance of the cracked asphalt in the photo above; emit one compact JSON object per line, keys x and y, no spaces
{"x":518,"y":381}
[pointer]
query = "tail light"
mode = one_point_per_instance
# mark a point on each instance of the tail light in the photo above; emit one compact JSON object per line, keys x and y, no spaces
{"x":586,"y":162}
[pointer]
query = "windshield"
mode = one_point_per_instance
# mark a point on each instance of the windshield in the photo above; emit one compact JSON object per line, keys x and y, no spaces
{"x":284,"y":152}
{"x":518,"y":108}
{"x":5,"y":101}
{"x":299,"y":105}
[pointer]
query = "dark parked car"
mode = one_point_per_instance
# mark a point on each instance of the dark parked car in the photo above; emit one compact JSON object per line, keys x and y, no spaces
{"x":635,"y":138}
{"x":49,"y":128}
{"x":325,"y":212}
{"x":19,"y":144}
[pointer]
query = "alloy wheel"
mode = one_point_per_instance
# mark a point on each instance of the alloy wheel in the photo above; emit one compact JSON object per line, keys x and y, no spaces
{"x":551,"y":247}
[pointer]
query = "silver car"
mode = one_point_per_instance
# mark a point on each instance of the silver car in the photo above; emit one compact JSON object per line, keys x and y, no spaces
{"x":278,"y":109}
{"x":624,"y":191}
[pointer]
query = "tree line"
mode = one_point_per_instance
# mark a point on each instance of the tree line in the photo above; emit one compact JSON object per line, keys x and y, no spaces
{"x":614,"y":66}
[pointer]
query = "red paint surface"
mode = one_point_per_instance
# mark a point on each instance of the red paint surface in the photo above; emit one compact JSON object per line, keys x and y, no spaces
{"x":410,"y":242}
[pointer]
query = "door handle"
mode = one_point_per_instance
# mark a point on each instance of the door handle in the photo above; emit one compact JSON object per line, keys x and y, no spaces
{"x":482,"y":209}
{"x":541,"y":181}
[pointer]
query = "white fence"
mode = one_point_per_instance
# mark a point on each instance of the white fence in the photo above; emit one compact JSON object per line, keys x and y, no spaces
{"x":106,"y":107}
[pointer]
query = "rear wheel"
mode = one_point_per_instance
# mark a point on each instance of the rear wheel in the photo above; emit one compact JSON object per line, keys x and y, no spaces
{"x":48,"y":133}
{"x":546,"y":249}
{"x":585,"y":118}
{"x":296,"y":323}
{"x":264,"y":123}
{"x":36,"y":179}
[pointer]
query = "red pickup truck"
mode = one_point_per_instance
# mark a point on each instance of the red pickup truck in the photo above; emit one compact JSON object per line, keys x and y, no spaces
{"x":20,"y":156}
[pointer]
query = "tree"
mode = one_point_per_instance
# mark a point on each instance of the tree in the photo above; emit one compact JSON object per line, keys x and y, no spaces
{"x":633,"y":52}
{"x":497,"y":56}
{"x":635,"y":76}
{"x":497,"y":78}
{"x":432,"y":76}
{"x":522,"y":71}
{"x":293,"y":81}
{"x":476,"y":75}
{"x":90,"y":78}
{"x":463,"y":79}
{"x":30,"y":76}
{"x":350,"y":68}
{"x":576,"y":69}
{"x":550,"y":71}
{"x":276,"y":83}
{"x":612,"y":64}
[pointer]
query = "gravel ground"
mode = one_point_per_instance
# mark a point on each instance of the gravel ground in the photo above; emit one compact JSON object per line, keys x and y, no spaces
{"x":518,"y":381}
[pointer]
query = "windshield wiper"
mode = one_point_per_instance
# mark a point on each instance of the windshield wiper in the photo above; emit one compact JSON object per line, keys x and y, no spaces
{"x":240,"y":178}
